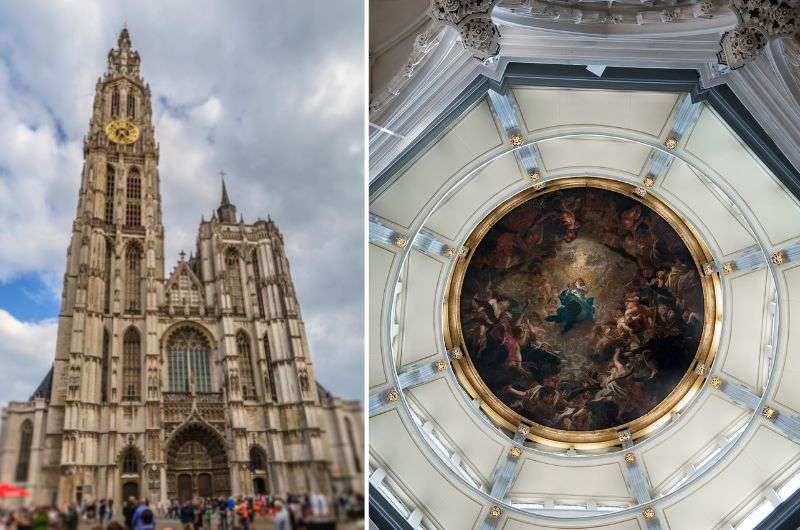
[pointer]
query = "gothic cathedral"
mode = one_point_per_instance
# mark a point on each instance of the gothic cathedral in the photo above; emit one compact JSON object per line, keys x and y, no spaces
{"x":197,"y":383}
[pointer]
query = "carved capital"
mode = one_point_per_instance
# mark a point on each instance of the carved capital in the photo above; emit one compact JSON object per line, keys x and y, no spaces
{"x":473,"y":20}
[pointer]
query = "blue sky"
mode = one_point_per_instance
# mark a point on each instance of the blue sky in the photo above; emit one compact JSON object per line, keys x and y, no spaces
{"x":270,"y":91}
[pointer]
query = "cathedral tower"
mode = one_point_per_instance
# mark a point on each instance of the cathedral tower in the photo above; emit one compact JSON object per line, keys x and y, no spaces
{"x":196,"y":384}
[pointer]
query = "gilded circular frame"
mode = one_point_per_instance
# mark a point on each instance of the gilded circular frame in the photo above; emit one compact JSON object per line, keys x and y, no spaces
{"x":680,"y":395}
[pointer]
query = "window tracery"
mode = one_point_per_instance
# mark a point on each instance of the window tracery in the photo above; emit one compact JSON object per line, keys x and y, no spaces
{"x":257,"y":278}
{"x":248,"y":382}
{"x":130,"y":462}
{"x":133,"y":277}
{"x":133,"y":211}
{"x":188,"y":354}
{"x":110,"y":183}
{"x":270,"y":374}
{"x":233,"y":281}
{"x":115,"y":103}
{"x":131,"y":105}
{"x":24,"y":458}
{"x":131,"y":365}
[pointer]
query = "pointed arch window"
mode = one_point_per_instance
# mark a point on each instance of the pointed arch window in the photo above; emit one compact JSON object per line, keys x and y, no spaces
{"x":131,"y":106}
{"x":188,"y":356}
{"x":115,"y":103}
{"x":258,"y":461}
{"x":104,"y":367}
{"x":24,"y":457}
{"x":233,"y":280}
{"x":108,"y":276}
{"x":257,"y":277}
{"x":133,"y":211}
{"x":271,"y":376}
{"x":245,"y":366}
{"x":110,"y":183}
{"x":348,"y":425}
{"x":133,"y":278}
{"x":131,"y":365}
{"x":130,"y":462}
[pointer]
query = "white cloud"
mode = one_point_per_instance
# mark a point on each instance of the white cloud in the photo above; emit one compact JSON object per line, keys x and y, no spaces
{"x":26,"y":350}
{"x":271,"y":92}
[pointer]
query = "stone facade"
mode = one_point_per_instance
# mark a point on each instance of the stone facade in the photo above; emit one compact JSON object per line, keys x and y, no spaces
{"x":200,"y":382}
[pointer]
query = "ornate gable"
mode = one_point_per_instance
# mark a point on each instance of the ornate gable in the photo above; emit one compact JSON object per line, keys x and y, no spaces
{"x":184,"y":292}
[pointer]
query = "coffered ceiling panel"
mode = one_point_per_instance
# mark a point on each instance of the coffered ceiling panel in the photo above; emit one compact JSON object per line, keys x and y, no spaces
{"x":445,"y":409}
{"x":645,"y":112}
{"x":380,"y":260}
{"x":582,"y":154}
{"x":687,"y":187}
{"x":466,"y":141}
{"x":665,"y":456}
{"x":449,"y":219}
{"x":423,"y":274}
{"x":541,"y":479}
{"x":713,"y":142}
{"x":765,"y":455}
{"x":449,"y":506}
{"x":748,"y":295}
{"x":788,"y":393}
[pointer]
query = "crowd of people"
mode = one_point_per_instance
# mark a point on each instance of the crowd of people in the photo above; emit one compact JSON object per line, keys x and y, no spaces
{"x":292,"y":513}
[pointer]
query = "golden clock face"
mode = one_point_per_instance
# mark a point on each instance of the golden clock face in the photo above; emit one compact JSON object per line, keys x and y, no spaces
{"x":122,"y":132}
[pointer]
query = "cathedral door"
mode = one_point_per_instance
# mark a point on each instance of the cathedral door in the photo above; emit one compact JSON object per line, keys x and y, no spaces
{"x":185,"y":487}
{"x":130,"y":489}
{"x":197,"y":463}
{"x":204,"y":485}
{"x":259,"y":486}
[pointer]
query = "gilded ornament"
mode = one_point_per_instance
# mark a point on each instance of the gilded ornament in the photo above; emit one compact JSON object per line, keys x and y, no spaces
{"x":440,"y":365}
{"x":495,"y":512}
{"x":400,"y":241}
{"x":538,"y":186}
{"x":122,"y":132}
{"x":456,"y":354}
{"x":700,"y":369}
{"x":715,"y":382}
{"x":769,"y":413}
{"x":671,"y":143}
{"x":630,"y":458}
{"x":624,"y":436}
{"x":515,"y":452}
{"x":516,"y":139}
{"x":392,"y":396}
{"x":727,"y":268}
{"x":649,"y":513}
{"x":448,"y":252}
{"x":708,"y":268}
{"x":534,"y":175}
{"x":778,"y":257}
{"x":649,"y":181}
{"x":641,"y":192}
{"x":523,"y":429}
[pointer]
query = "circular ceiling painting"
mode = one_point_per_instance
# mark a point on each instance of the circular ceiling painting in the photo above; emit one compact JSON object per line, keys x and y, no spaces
{"x":583,"y":310}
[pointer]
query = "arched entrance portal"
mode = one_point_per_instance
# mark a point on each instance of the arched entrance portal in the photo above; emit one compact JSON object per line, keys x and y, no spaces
{"x":258,"y":469}
{"x":197,"y":463}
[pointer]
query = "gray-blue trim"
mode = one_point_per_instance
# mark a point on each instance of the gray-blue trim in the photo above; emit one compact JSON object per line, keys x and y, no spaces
{"x":383,"y":514}
{"x":721,"y":98}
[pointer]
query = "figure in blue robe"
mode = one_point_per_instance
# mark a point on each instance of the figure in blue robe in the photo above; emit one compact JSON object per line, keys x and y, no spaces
{"x":575,"y":307}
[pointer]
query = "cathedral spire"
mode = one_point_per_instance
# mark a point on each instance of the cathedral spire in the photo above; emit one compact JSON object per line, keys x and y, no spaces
{"x":226,"y":210}
{"x":123,"y":59}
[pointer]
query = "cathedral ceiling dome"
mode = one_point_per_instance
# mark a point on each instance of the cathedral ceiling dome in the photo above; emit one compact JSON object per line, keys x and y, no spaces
{"x":486,"y":185}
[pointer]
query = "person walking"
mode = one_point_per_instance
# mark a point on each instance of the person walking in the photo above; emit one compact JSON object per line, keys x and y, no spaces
{"x":128,"y":510}
{"x":187,"y":516}
{"x":143,"y":517}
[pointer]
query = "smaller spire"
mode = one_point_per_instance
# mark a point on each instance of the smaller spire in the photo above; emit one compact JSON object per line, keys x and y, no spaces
{"x":226,"y":210}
